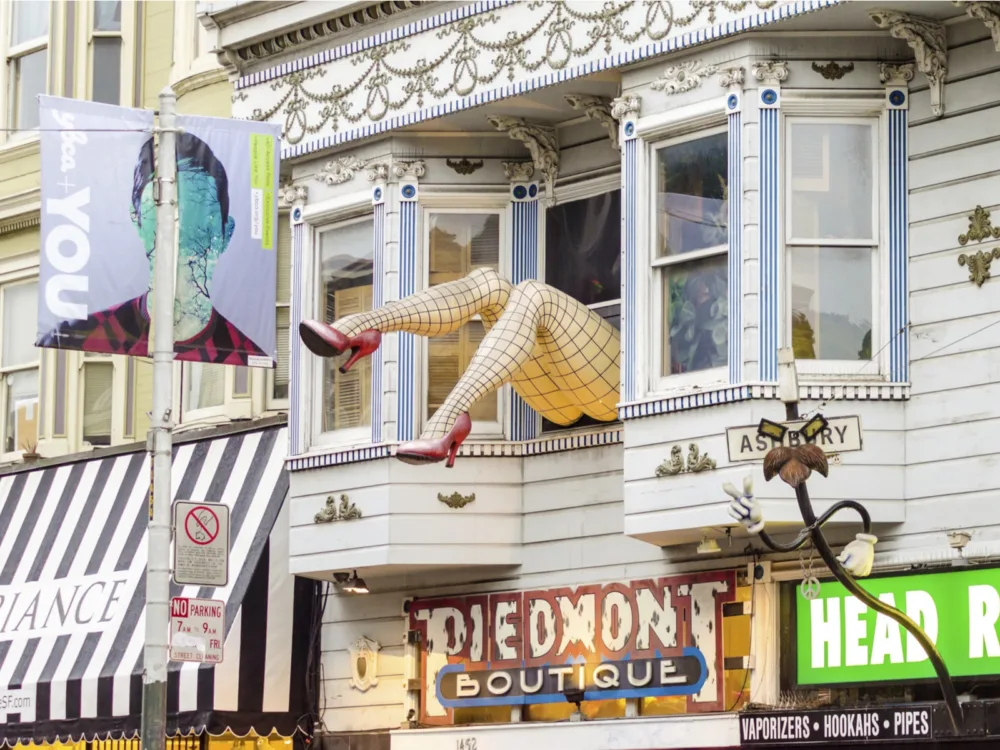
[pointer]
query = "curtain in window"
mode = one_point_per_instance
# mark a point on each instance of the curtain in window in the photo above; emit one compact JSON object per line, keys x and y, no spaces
{"x":98,"y":378}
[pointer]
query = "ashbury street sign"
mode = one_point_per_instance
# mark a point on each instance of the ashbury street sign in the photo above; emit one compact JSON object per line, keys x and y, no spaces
{"x":841,"y":641}
{"x":841,"y":435}
{"x":841,"y":727}
{"x":654,"y":637}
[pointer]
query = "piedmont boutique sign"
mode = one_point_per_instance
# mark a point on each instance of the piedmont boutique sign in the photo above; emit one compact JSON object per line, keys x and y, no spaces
{"x":653,"y":637}
{"x":841,"y":641}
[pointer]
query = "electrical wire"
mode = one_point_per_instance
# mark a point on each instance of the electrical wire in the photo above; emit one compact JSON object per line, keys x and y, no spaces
{"x":76,"y":130}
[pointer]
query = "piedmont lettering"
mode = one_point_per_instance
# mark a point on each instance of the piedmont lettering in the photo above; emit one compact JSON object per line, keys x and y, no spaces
{"x":65,"y":607}
{"x":649,"y":637}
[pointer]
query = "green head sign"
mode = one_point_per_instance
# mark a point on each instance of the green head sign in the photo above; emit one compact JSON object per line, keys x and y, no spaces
{"x":842,"y":641}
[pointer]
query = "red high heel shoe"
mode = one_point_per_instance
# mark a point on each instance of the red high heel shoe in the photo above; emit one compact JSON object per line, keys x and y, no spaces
{"x":326,"y":341}
{"x":431,"y":451}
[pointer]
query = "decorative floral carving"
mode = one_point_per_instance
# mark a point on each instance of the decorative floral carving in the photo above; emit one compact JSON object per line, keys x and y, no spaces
{"x":346,"y":511}
{"x":832,"y":71}
{"x":456,"y":499}
{"x":979,"y":264}
{"x":624,"y":106}
{"x":290,"y":194}
{"x":770,"y":71}
{"x":364,"y":663}
{"x":518,"y":171}
{"x":980,"y":227}
{"x":378,"y":172}
{"x":988,"y":13}
{"x":540,"y":140}
{"x":597,"y":108}
{"x":471,"y":54}
{"x":340,"y":170}
{"x":685,"y":76}
{"x":926,"y":38}
{"x":412,"y":170}
{"x":464,"y":166}
{"x":898,"y":73}
{"x":734,"y":76}
{"x":696,"y":462}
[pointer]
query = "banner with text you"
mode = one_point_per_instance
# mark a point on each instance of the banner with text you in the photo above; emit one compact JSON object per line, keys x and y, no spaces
{"x":99,"y":231}
{"x":841,"y":641}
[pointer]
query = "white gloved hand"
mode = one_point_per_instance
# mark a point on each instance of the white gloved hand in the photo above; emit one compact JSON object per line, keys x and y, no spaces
{"x":859,"y":555}
{"x":743,"y":507}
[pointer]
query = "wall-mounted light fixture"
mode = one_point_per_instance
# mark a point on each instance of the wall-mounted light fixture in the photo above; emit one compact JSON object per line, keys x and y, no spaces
{"x":351,"y":583}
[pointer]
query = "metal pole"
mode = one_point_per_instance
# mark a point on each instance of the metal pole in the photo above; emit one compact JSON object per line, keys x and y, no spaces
{"x":155,"y":656}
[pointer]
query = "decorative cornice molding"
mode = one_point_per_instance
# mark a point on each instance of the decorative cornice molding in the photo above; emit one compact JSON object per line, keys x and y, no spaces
{"x":598,"y":109}
{"x":519,"y":171}
{"x":624,"y":106}
{"x":770,"y":72}
{"x":293,"y":195}
{"x":732,"y":77}
{"x":340,"y":170}
{"x":409,"y":170}
{"x":17,"y":223}
{"x":988,"y":13}
{"x":378,"y":171}
{"x":898,"y":74}
{"x":541,"y":142}
{"x":685,"y":76}
{"x":927,"y":38}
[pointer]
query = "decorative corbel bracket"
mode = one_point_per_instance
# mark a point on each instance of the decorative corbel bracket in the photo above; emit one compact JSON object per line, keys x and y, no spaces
{"x":685,"y":76}
{"x":364,"y":663}
{"x":928,"y":41}
{"x":770,"y":71}
{"x":541,"y":142}
{"x":598,"y":109}
{"x":519,"y":171}
{"x":733,"y":77}
{"x":292,"y":194}
{"x":378,"y":171}
{"x":340,"y":170}
{"x":409,"y":170}
{"x":346,"y":511}
{"x":899,"y":74}
{"x":625,"y":106}
{"x":456,"y":499}
{"x":988,"y":13}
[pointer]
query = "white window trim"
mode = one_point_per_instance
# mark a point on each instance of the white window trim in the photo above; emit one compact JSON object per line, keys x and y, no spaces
{"x":119,"y":374}
{"x":14,"y":277}
{"x":84,"y":38}
{"x":458,"y":203}
{"x":711,"y":122}
{"x":318,"y":218}
{"x":270,"y":402}
{"x":859,"y":108}
{"x":10,"y":51}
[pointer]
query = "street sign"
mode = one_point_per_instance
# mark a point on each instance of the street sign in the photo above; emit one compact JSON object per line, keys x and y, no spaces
{"x":201,"y":544}
{"x":197,"y":630}
{"x":841,"y":435}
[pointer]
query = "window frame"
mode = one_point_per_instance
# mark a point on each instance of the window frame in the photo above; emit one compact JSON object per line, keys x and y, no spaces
{"x":824,"y":107}
{"x":119,"y":375}
{"x":85,"y":38}
{"x":686,"y":132}
{"x":271,"y":403}
{"x":7,"y":280}
{"x":457,"y":203}
{"x":11,"y":51}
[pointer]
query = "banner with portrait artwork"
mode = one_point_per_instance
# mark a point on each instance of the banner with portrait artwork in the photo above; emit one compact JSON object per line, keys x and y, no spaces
{"x":99,"y":231}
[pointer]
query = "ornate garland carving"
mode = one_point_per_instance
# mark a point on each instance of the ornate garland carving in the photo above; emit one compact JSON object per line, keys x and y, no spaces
{"x":770,"y":71}
{"x":988,"y":13}
{"x":598,"y":109}
{"x":926,"y":38}
{"x":833,"y":71}
{"x":340,"y":170}
{"x":456,"y":500}
{"x":475,"y":52}
{"x":980,"y":228}
{"x":897,"y":73}
{"x":464,"y":166}
{"x":685,"y":76}
{"x":541,"y":142}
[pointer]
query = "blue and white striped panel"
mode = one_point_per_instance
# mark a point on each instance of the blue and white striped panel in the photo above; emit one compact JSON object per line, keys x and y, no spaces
{"x":629,"y":354}
{"x":524,"y":265}
{"x":295,"y":368}
{"x":406,"y":361}
{"x":769,"y":99}
{"x":735,"y":238}
{"x":898,"y":334}
{"x":378,"y":280}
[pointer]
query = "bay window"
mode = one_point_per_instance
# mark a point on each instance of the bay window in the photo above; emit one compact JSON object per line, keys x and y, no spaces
{"x":19,"y":362}
{"x":27,"y":62}
{"x":690,"y":258}
{"x":831,"y":240}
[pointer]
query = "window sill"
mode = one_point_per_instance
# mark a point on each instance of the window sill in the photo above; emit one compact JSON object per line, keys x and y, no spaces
{"x":18,"y":145}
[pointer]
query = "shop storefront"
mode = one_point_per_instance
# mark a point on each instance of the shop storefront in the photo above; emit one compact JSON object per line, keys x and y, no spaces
{"x":72,"y":592}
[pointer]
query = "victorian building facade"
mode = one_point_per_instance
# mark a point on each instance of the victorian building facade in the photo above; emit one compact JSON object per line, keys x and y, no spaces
{"x":717,"y":180}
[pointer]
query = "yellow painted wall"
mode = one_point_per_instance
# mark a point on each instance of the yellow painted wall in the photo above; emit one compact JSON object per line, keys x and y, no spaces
{"x":157,"y":52}
{"x":20,"y":242}
{"x":19,"y":170}
{"x":212,"y":100}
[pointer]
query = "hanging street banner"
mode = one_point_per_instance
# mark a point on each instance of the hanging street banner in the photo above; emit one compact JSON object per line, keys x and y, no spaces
{"x":841,"y":641}
{"x":99,"y":231}
{"x":841,"y":435}
{"x":648,"y":638}
{"x":838,"y":727}
{"x":227,"y":212}
{"x":96,"y":245}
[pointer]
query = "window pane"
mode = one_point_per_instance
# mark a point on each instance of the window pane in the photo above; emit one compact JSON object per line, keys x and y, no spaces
{"x":30,"y":21}
{"x":281,"y":366}
{"x":832,"y":303}
{"x":346,"y":277}
{"x":692,"y":210}
{"x":27,"y":82}
{"x":107,"y":15}
{"x":459,"y":243}
{"x":831,"y":181}
{"x":583,"y":248}
{"x":20,"y":304}
{"x":22,"y":411}
{"x":107,"y":70}
{"x":97,"y":385}
{"x":695,"y":315}
{"x":205,"y":386}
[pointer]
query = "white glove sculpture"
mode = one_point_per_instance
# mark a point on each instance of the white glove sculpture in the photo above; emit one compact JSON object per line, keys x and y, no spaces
{"x":859,"y":555}
{"x":743,"y":507}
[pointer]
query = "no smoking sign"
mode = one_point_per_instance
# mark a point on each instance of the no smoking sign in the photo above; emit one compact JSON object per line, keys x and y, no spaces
{"x":201,"y":544}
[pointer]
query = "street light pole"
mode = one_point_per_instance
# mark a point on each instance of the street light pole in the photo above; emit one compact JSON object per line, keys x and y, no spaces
{"x":155,"y":654}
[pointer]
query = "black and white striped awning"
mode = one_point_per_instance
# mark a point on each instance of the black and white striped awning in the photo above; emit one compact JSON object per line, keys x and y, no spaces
{"x":72,"y":592}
